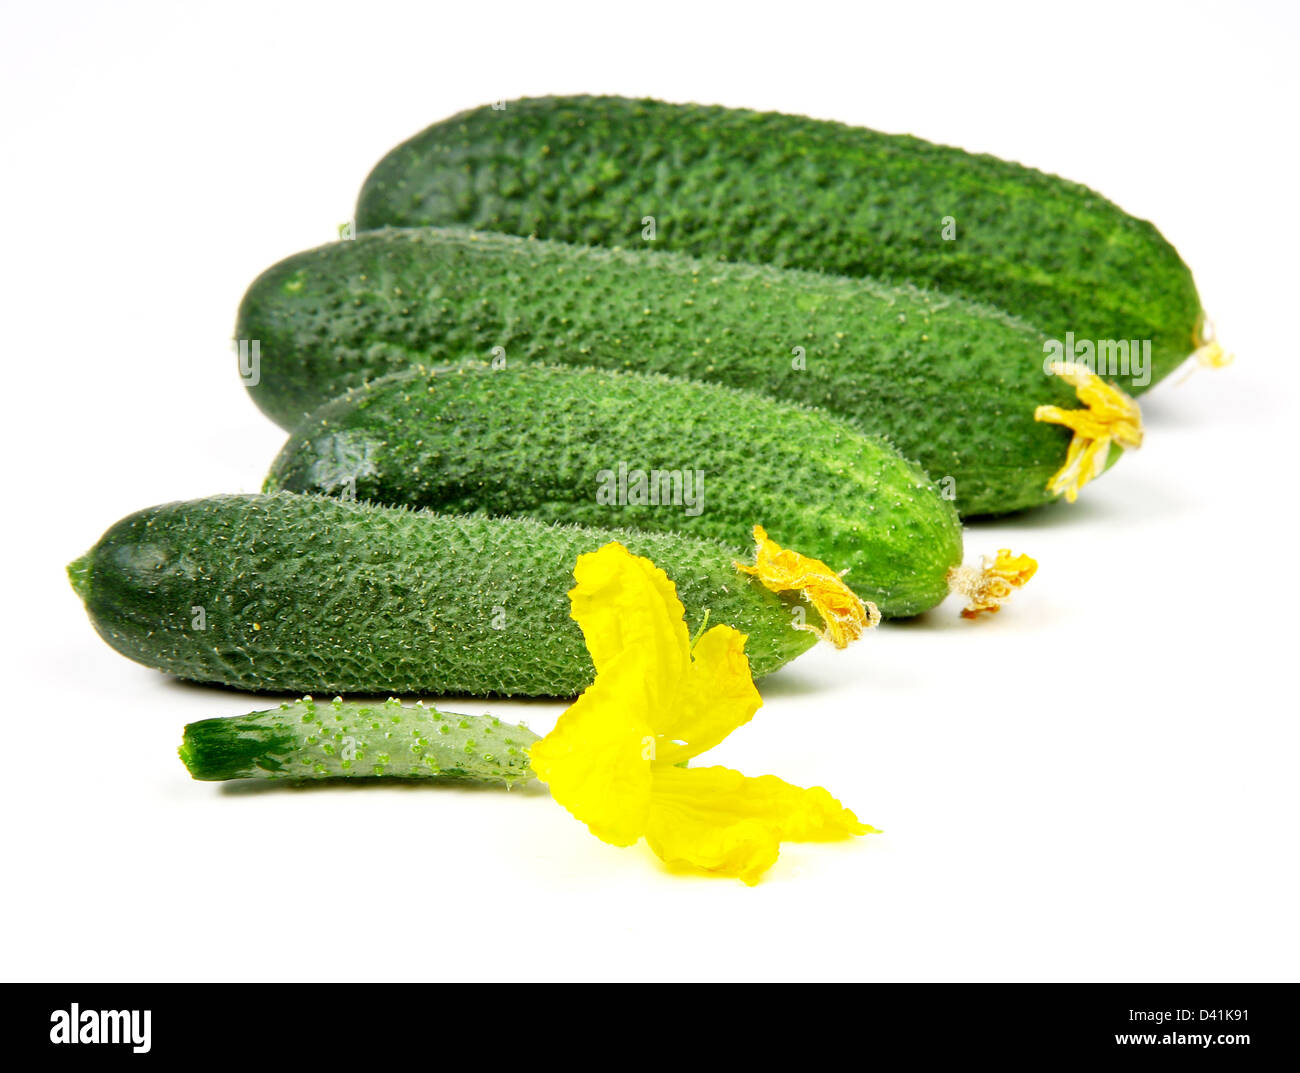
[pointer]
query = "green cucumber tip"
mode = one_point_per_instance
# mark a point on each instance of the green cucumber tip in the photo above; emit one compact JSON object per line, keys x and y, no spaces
{"x":79,"y":576}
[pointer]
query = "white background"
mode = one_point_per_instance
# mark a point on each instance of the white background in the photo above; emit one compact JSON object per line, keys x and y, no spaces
{"x":1099,"y":783}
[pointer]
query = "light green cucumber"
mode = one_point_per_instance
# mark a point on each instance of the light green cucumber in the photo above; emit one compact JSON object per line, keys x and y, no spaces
{"x":309,"y":739}
{"x":603,"y":448}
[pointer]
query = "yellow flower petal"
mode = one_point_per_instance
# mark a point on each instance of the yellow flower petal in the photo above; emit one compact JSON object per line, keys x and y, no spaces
{"x":627,"y":607}
{"x":987,"y":586}
{"x":596,"y":761}
{"x":717,"y":820}
{"x":843,"y":613}
{"x":1109,"y":417}
{"x":718,"y":695}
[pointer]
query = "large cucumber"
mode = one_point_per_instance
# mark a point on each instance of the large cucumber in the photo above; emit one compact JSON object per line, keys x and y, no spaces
{"x":605,"y":448}
{"x":953,"y":384}
{"x":306,"y":594}
{"x":801,"y":193}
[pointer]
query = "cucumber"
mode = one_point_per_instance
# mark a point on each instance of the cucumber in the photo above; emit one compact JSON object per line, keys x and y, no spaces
{"x":307,"y":594}
{"x":799,"y":193}
{"x":954,"y":385}
{"x":604,"y":448}
{"x":341,"y":739}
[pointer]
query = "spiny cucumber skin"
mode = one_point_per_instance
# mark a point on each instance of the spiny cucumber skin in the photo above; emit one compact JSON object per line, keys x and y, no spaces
{"x":801,"y":193}
{"x":534,"y":440}
{"x":309,"y":739}
{"x":952,"y":384}
{"x":307,"y":594}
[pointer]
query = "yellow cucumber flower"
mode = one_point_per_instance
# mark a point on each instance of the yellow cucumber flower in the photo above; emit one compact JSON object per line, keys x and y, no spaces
{"x":657,"y":701}
{"x":1209,"y":352}
{"x":986,"y":586}
{"x":1212,"y":356}
{"x":844,"y":614}
{"x":1108,"y":415}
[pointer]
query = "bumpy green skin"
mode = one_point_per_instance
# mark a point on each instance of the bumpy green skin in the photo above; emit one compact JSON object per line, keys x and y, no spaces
{"x":548,"y":443}
{"x":951,"y":383}
{"x":307,"y":594}
{"x":357,"y":739}
{"x":800,"y":193}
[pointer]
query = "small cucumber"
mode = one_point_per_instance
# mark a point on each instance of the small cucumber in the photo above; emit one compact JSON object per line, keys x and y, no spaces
{"x":306,"y":594}
{"x":339,"y":739}
{"x":798,"y":193}
{"x":603,"y":448}
{"x":952,"y":384}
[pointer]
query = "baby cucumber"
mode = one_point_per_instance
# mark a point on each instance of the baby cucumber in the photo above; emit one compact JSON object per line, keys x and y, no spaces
{"x":952,"y":384}
{"x":338,"y":739}
{"x":307,"y":594}
{"x":604,"y":448}
{"x":800,"y":193}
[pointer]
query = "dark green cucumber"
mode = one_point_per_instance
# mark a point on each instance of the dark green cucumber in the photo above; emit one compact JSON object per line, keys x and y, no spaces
{"x":306,"y":594}
{"x":339,"y":739}
{"x":799,"y":193}
{"x":953,"y":384}
{"x":604,"y":448}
